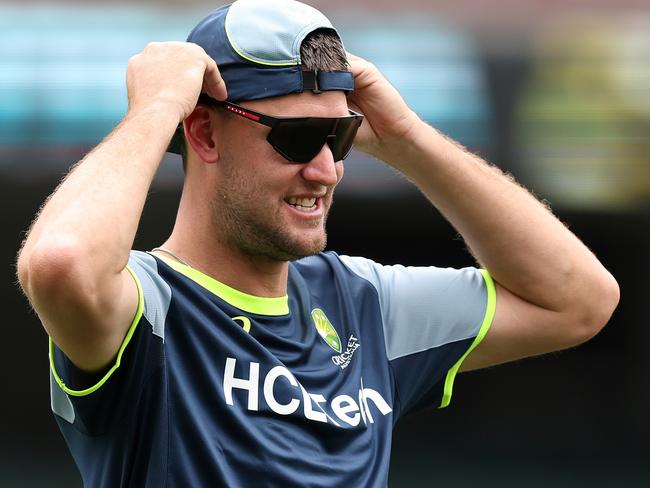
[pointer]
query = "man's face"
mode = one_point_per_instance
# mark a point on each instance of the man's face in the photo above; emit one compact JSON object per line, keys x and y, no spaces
{"x":263,"y":205}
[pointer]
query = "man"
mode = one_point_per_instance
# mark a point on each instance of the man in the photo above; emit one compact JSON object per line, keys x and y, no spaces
{"x":237,"y":353}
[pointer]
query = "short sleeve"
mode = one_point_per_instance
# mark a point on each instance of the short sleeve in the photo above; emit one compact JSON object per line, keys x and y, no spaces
{"x":92,"y":407}
{"x":432,"y":319}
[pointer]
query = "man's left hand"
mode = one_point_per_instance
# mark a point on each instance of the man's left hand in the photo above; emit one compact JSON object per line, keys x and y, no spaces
{"x":389,"y":120}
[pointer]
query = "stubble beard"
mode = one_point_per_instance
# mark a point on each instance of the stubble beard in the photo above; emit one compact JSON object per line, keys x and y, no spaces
{"x":258,"y":231}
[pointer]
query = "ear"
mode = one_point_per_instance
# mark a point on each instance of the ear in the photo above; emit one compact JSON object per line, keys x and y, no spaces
{"x":200,"y":134}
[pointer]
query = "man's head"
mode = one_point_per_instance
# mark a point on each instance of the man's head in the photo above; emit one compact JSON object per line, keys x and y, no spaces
{"x":270,"y":48}
{"x":321,"y":51}
{"x":281,"y":58}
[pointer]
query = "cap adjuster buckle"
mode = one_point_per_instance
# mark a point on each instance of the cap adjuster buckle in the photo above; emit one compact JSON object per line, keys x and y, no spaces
{"x":316,"y":87}
{"x":310,"y":81}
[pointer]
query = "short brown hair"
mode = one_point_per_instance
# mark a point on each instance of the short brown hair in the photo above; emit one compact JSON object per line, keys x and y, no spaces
{"x":322,"y":50}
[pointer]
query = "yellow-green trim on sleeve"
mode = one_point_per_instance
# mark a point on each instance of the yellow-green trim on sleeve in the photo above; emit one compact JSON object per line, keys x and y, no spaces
{"x":127,"y":339}
{"x":485,"y":326}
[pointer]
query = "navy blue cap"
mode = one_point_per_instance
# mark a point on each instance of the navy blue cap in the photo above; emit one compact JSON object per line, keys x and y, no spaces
{"x":256,"y":45}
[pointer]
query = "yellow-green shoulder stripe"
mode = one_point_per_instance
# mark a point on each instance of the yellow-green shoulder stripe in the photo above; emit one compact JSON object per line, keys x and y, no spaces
{"x":485,"y":326}
{"x":127,"y":339}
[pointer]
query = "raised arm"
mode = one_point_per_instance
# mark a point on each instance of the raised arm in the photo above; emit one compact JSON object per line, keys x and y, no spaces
{"x":72,"y":265}
{"x":552,"y":292}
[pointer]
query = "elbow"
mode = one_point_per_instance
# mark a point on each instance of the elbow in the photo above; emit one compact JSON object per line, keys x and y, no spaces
{"x":22,"y":266}
{"x":597,"y":307}
{"x":48,"y":267}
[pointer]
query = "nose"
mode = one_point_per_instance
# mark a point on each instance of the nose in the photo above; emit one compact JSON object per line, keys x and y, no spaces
{"x":323,"y":169}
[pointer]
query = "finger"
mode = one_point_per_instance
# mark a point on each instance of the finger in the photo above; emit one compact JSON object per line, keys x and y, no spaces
{"x":213,"y":83}
{"x":352,"y":56}
{"x":356,"y":64}
{"x":352,"y":59}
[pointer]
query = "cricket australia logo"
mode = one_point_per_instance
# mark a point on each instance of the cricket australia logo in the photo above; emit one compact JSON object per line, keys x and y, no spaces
{"x":342,"y":360}
{"x":328,"y":333}
{"x":326,"y":330}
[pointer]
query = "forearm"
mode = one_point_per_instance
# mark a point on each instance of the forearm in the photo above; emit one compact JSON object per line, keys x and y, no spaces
{"x":96,"y":209}
{"x":525,"y":248}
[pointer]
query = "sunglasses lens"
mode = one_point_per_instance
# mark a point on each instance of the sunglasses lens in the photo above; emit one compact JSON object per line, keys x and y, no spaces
{"x":300,"y":140}
{"x":345,"y":134}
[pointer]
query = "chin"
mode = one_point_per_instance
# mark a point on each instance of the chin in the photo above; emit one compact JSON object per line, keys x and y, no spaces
{"x":312,"y":244}
{"x":284,"y":247}
{"x":303,"y":249}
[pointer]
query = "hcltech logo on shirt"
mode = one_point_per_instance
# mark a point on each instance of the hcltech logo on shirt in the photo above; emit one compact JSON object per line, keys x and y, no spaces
{"x":315,"y":407}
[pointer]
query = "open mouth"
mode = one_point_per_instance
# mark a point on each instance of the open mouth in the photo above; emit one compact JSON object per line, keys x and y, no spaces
{"x":302,"y":204}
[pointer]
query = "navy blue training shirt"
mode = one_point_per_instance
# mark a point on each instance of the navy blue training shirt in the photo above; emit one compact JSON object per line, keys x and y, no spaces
{"x":215,"y":387}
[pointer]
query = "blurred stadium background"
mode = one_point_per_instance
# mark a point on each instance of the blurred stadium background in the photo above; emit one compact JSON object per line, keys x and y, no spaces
{"x":556,"y":92}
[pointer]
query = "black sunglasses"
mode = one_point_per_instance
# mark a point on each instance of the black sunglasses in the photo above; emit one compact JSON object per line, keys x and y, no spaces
{"x":300,"y":139}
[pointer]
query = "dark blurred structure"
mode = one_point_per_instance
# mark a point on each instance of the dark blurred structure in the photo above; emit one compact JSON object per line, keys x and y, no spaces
{"x":558,"y":93}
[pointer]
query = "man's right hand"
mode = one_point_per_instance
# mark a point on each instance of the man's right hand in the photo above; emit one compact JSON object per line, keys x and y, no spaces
{"x":172,"y":74}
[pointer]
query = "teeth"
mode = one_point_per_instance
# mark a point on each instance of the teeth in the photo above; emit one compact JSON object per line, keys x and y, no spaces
{"x":302,"y":202}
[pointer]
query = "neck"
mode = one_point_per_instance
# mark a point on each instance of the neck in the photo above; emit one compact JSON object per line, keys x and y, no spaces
{"x":205,"y":252}
{"x":258,"y":277}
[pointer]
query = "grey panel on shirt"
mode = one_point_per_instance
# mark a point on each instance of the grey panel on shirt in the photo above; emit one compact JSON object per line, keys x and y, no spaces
{"x":424,"y":307}
{"x":61,"y":404}
{"x":157,"y":293}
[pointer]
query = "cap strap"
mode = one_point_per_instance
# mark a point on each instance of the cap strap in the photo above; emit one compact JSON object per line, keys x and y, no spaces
{"x":320,"y":81}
